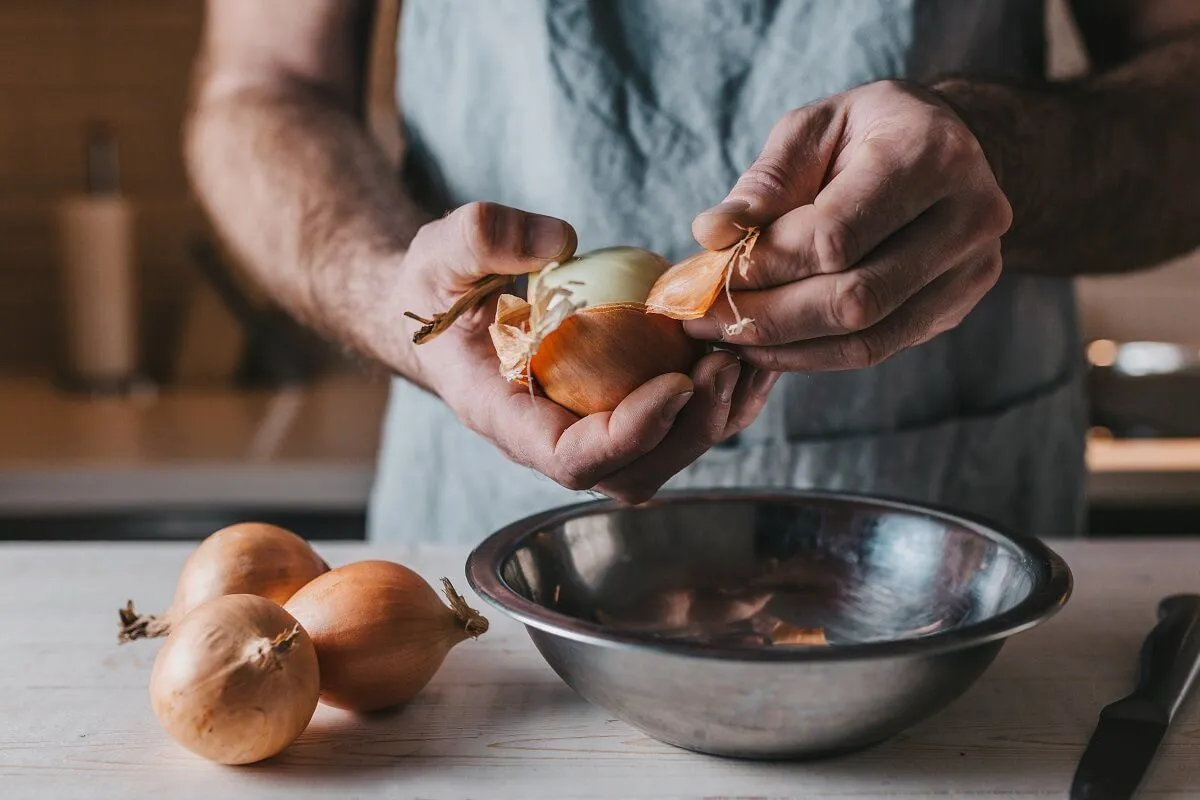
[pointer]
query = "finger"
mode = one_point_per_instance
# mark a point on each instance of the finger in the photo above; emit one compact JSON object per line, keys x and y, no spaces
{"x":787,"y":174}
{"x":579,"y":452}
{"x":851,"y":301}
{"x":481,"y":239}
{"x":934,"y":310}
{"x":784,"y":252}
{"x":700,"y":426}
{"x":889,"y":179}
{"x":753,"y":388}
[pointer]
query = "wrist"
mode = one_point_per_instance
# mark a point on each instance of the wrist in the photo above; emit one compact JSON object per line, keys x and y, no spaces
{"x":987,"y":113}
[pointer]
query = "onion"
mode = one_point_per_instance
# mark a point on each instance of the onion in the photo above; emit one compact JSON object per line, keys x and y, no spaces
{"x":596,"y":327}
{"x":585,"y":336}
{"x":237,"y":681}
{"x":247,"y":558}
{"x":381,"y":632}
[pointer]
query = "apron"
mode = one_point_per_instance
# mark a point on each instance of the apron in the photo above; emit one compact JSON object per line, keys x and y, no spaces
{"x":627,"y":118}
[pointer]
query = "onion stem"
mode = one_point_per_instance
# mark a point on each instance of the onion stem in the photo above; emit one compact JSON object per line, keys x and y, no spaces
{"x":471,"y":299}
{"x":284,"y":641}
{"x":473,"y":623}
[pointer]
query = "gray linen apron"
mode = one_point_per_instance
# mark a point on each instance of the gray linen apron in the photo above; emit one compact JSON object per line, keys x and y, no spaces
{"x":627,"y":117}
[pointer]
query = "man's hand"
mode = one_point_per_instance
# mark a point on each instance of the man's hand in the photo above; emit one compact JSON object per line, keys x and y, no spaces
{"x":627,"y":454}
{"x":881,"y":227}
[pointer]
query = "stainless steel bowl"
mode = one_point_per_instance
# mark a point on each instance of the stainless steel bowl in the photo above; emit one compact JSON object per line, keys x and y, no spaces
{"x":676,"y":616}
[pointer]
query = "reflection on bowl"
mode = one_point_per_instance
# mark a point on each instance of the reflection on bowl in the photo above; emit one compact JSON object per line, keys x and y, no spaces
{"x":767,"y":624}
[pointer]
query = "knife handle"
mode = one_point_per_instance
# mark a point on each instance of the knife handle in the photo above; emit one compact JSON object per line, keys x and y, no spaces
{"x":1170,"y":658}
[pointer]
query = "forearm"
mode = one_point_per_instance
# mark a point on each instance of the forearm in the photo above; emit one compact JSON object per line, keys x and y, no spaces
{"x":1103,"y":173}
{"x":296,"y":187}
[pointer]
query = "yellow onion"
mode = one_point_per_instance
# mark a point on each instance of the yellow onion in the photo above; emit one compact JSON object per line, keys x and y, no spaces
{"x":585,"y":336}
{"x":247,"y":558}
{"x":237,"y":681}
{"x":599,"y":325}
{"x":381,"y":632}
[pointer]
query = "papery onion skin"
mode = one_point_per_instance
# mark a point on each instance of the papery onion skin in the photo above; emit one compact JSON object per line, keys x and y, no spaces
{"x":237,"y":681}
{"x":690,"y":288}
{"x":381,"y":633}
{"x":599,"y":355}
{"x":245,"y":558}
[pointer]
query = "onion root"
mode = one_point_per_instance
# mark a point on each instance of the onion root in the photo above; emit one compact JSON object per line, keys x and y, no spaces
{"x":136,"y":626}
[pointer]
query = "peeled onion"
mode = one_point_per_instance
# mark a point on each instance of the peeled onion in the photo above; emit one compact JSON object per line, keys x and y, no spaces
{"x":585,"y":336}
{"x":596,"y":327}
{"x":247,"y":558}
{"x":380,"y":631}
{"x":237,"y":681}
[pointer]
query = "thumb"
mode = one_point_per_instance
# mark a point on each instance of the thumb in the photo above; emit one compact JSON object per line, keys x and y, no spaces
{"x":786,"y":175}
{"x":481,"y":239}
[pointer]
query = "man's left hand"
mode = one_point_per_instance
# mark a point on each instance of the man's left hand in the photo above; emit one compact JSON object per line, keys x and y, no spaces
{"x":881,"y":222}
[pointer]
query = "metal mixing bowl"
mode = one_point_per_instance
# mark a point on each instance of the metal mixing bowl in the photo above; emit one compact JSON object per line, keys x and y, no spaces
{"x":677,"y":616}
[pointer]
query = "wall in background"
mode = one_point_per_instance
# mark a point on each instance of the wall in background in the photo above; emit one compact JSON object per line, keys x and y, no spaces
{"x":64,"y":62}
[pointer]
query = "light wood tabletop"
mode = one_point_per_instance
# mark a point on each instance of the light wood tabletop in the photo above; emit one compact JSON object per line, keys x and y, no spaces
{"x":497,"y":722}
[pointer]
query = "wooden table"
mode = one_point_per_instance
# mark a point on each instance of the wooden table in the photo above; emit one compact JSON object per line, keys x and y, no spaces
{"x":496,"y":722}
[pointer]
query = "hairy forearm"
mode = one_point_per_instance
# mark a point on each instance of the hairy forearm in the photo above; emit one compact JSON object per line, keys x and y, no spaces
{"x":1103,"y":173}
{"x":298,"y":190}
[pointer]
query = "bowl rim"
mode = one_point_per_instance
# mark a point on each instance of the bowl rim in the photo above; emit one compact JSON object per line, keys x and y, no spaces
{"x":1043,"y":602}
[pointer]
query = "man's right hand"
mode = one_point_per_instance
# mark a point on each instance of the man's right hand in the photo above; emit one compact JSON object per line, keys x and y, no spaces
{"x":627,"y":454}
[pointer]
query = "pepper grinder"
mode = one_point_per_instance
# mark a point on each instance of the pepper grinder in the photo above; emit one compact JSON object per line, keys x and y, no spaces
{"x":98,"y":275}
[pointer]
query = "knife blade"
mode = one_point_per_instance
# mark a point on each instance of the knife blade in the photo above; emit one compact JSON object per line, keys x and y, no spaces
{"x":1128,"y":734}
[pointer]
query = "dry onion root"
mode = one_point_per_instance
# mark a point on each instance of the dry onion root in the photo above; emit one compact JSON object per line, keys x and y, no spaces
{"x":247,"y":558}
{"x":237,"y":681}
{"x":381,"y":632}
{"x":596,"y":327}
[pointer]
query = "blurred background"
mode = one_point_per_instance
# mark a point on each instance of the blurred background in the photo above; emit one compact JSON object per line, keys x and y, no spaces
{"x":146,"y":390}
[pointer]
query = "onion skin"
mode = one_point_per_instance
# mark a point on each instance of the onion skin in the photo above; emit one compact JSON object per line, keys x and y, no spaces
{"x":246,"y":558}
{"x":690,"y":288}
{"x":600,"y":354}
{"x":381,"y":632}
{"x":237,"y":681}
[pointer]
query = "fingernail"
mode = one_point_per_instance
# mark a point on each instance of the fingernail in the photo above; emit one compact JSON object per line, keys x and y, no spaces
{"x":545,"y":237}
{"x":729,"y":207}
{"x":676,"y":404}
{"x":726,"y":380}
{"x":706,"y":327}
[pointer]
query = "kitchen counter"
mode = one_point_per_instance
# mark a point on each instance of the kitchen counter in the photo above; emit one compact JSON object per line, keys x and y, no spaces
{"x":497,"y":722}
{"x":314,"y":447}
{"x":310,"y":447}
